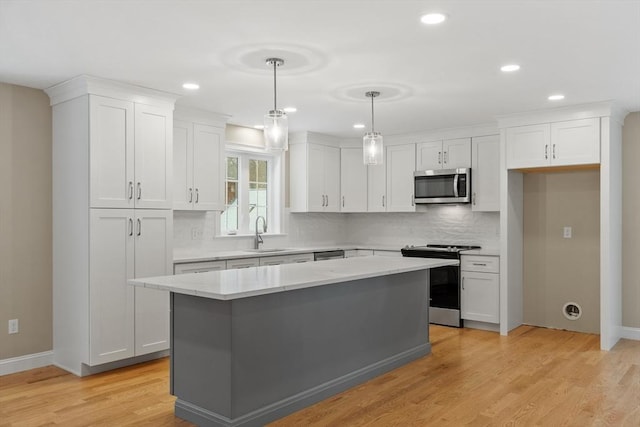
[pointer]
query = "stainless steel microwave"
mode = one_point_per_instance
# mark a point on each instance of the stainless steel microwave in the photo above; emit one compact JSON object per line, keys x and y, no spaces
{"x":443,"y":186}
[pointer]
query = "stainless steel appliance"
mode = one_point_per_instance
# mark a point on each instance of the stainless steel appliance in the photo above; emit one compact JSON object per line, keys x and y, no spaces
{"x":442,"y":186}
{"x":444,"y":282}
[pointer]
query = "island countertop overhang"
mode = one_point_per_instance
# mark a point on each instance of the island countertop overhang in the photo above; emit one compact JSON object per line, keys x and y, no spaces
{"x":254,"y":281}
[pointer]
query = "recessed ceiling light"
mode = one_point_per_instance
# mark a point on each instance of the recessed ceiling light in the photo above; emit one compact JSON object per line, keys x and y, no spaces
{"x":556,"y":97}
{"x":259,"y":126}
{"x":433,"y":18}
{"x":290,"y":109}
{"x":358,"y":126}
{"x":509,"y":68}
{"x":191,"y":86}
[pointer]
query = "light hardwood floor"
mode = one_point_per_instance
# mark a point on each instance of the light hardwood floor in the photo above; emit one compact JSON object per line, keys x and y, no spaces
{"x":532,"y":377}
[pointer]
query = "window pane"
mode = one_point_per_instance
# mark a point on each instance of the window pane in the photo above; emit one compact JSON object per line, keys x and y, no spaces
{"x":262,"y":195}
{"x":229,"y":219}
{"x":253,"y":194}
{"x":262,"y":171}
{"x":262,"y":211}
{"x":232,"y":168}
{"x":253,"y":170}
{"x":232,"y":193}
{"x":252,"y":221}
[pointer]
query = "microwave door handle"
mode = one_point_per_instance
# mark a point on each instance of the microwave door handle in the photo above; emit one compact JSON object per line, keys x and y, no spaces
{"x":455,"y":185}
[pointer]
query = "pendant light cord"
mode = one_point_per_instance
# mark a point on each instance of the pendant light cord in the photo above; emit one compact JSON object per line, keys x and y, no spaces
{"x":372,"y":122}
{"x":275,"y":65}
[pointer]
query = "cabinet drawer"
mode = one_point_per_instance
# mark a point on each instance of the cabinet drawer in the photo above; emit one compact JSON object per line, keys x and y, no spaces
{"x":242,"y":263}
{"x":286,"y":259}
{"x":482,"y":263}
{"x":199,"y":267}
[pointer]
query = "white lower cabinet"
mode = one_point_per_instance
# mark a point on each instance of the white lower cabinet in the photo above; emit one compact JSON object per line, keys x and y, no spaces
{"x":242,"y":263}
{"x":387,"y":253}
{"x":286,"y":259}
{"x":123,"y":321}
{"x":480,"y":299}
{"x":199,"y":267}
{"x":351,"y":253}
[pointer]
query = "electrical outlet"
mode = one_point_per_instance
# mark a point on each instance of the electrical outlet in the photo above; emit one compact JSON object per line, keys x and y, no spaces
{"x":196,"y":233}
{"x":13,"y":326}
{"x":567,"y":233}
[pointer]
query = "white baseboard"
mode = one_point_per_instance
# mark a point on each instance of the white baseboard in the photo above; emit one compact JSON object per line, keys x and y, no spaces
{"x":26,"y":362}
{"x":630,"y":333}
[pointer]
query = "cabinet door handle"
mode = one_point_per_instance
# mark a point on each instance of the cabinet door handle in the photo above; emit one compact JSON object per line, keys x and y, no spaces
{"x":480,"y":264}
{"x":546,"y":151}
{"x":383,"y":201}
{"x":139,"y":227}
{"x":413,"y":200}
{"x":439,"y":157}
{"x":463,"y":283}
{"x":554,"y":151}
{"x":446,"y":157}
{"x":474,"y":198}
{"x":327,"y":196}
{"x":190,"y":195}
{"x":139,"y":191}
{"x":130,"y":190}
{"x":197,"y":196}
{"x":343,"y":201}
{"x":130,"y":226}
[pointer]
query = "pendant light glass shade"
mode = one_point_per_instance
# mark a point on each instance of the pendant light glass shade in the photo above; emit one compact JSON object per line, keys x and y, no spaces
{"x":372,"y":145}
{"x":276,"y":130}
{"x":372,"y":148}
{"x":276,"y":123}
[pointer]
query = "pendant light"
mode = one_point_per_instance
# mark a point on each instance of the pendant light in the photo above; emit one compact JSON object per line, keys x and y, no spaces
{"x":372,"y":147}
{"x":276,"y":127}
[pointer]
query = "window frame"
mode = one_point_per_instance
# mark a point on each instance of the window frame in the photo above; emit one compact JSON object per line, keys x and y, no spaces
{"x":275,"y":189}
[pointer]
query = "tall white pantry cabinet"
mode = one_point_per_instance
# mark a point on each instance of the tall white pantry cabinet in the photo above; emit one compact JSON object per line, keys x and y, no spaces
{"x":112,"y":221}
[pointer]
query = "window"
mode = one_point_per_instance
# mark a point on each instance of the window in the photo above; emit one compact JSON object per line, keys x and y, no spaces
{"x":251,"y":183}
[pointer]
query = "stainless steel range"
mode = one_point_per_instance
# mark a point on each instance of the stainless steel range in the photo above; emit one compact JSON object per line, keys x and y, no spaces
{"x":444,"y":282}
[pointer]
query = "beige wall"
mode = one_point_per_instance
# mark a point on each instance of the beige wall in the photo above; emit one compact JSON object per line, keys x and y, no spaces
{"x":559,"y":270}
{"x":631,"y":221}
{"x":25,"y":220}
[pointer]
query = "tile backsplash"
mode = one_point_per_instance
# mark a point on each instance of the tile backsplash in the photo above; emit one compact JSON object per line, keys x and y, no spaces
{"x":432,"y":224}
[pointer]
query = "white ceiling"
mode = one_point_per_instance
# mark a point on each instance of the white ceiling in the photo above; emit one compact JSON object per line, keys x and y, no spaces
{"x":431,"y":77}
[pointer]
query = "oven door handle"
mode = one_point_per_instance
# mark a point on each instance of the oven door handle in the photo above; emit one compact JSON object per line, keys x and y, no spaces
{"x":455,"y":185}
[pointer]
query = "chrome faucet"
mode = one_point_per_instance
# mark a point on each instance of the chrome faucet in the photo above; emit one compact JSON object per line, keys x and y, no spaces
{"x":258,"y":239}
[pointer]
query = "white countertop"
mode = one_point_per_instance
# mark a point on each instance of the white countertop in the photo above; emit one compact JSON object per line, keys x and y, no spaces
{"x":247,"y":282}
{"x":483,"y":251}
{"x":199,"y":255}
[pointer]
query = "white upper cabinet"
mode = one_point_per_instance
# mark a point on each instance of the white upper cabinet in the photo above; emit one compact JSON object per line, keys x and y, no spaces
{"x":198,"y":166}
{"x":314,"y":177}
{"x":377,"y":188}
{"x":400,"y":163}
{"x":111,"y":152}
{"x":575,"y":142}
{"x":568,"y":143}
{"x":130,"y":154}
{"x":153,"y":156}
{"x":447,"y":154}
{"x":353,"y":181}
{"x":485,"y":173}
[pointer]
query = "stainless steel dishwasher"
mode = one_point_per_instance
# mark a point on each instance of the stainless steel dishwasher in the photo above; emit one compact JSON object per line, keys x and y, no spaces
{"x":325,"y":255}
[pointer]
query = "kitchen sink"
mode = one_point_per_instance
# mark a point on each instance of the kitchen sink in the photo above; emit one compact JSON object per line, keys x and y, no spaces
{"x":266,"y":250}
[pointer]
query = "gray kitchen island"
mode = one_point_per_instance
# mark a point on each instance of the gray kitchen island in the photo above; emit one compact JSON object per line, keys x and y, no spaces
{"x":249,"y":346}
